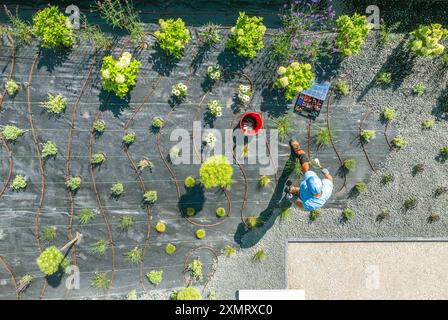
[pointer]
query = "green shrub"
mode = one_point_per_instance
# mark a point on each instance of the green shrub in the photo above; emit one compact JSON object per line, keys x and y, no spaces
{"x":50,"y":233}
{"x":150,"y":196}
{"x":49,"y":149}
{"x":21,"y":30}
{"x":93,"y":34}
{"x":428,"y":124}
{"x":134,"y":256}
{"x":439,"y":190}
{"x":195,"y":268}
{"x":50,"y":26}
{"x":229,"y":251}
{"x":155,"y":277}
{"x":294,"y":78}
{"x":86,"y":215}
{"x":220,"y":212}
{"x":19,"y":183}
{"x":247,"y":35}
{"x":444,"y":152}
{"x":281,"y":47}
{"x":157,"y":122}
{"x":264,"y":181}
{"x":200,"y":234}
{"x":419,"y":89}
{"x":125,"y":223}
{"x":361,"y":187}
{"x":367,"y":135}
{"x":252,"y":222}
{"x":349,"y":164}
{"x":210,"y":34}
{"x":98,"y":158}
{"x":389,"y":177}
{"x":49,"y":260}
{"x":145,"y":163}
{"x":170,"y":248}
{"x":11,"y":87}
{"x":73,"y":183}
{"x":189,"y":293}
{"x":119,"y":75}
{"x":389,"y":114}
{"x":410,"y":203}
{"x":117,"y":189}
{"x":12,"y":133}
{"x":129,"y":138}
{"x":189,"y":212}
{"x":387,"y":35}
{"x":343,"y":88}
{"x":99,"y":126}
{"x":216,"y":171}
{"x":314,"y":214}
{"x":399,"y":142}
{"x":160,"y":227}
{"x":284,"y":126}
{"x":384,"y":78}
{"x":100,"y":281}
{"x":348,"y":214}
{"x":190,"y":182}
{"x":99,"y":247}
{"x":351,"y":33}
{"x":173,"y":36}
{"x":55,"y":104}
{"x":425,"y":40}
{"x":260,"y":256}
{"x":323,"y":137}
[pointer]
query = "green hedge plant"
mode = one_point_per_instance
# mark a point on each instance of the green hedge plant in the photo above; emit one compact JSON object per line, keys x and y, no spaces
{"x":50,"y":25}
{"x":216,"y":171}
{"x":425,"y":41}
{"x":294,"y":78}
{"x":173,"y":35}
{"x":50,"y":260}
{"x":351,"y":33}
{"x":120,"y":75}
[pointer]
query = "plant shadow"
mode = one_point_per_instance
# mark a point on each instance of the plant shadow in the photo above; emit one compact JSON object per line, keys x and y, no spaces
{"x":193,"y":198}
{"x":52,"y":58}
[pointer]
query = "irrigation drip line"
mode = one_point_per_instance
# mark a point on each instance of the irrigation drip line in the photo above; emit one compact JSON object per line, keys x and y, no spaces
{"x":11,"y":275}
{"x":385,"y":135}
{"x":11,"y":164}
{"x":361,"y":140}
{"x":214,"y":265}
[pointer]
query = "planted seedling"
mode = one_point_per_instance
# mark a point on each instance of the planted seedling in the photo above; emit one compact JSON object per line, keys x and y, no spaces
{"x":200,"y":234}
{"x":229,"y":251}
{"x":216,"y":171}
{"x":361,"y":187}
{"x":125,"y":223}
{"x":98,"y":159}
{"x":188,"y":293}
{"x":284,"y":126}
{"x":174,"y":153}
{"x":428,"y":124}
{"x":49,"y":149}
{"x":170,"y":248}
{"x":220,"y":212}
{"x":433,"y":217}
{"x":132,"y":295}
{"x":212,"y":295}
{"x":134,"y":256}
{"x":145,"y":163}
{"x":418,"y":168}
{"x":440,"y":190}
{"x":349,"y":164}
{"x":24,"y":282}
{"x":264,"y":181}
{"x":190,"y":182}
{"x":117,"y":190}
{"x":210,"y":34}
{"x":160,"y":227}
{"x":252,"y":222}
{"x":11,"y":87}
{"x":343,"y":88}
{"x":55,"y":104}
{"x":50,"y":233}
{"x":399,"y":142}
{"x":73,"y":183}
{"x":443,"y":153}
{"x":384,"y":215}
{"x":12,"y":133}
{"x":214,"y":72}
{"x":367,"y":135}
{"x":388,"y":177}
{"x":195,"y":269}
{"x":384,"y":78}
{"x":100,"y":281}
{"x":314,"y":214}
{"x":260,"y":256}
{"x":348,"y":214}
{"x":323,"y":137}
{"x":150,"y":197}
{"x":155,"y":277}
{"x":410,"y":203}
{"x":387,"y":35}
{"x":19,"y":183}
{"x":157,"y":122}
{"x":285,"y":213}
{"x":419,"y":89}
{"x":389,"y":114}
{"x":99,"y":247}
{"x":129,"y":138}
{"x":99,"y":126}
{"x":214,"y":108}
{"x":190,"y":212}
{"x":86,"y":215}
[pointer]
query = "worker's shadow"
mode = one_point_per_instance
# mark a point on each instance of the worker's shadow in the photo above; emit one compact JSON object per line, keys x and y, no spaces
{"x":247,"y":238}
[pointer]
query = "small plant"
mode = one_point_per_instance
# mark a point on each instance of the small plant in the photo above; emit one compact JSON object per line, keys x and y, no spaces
{"x":11,"y":87}
{"x":117,"y":190}
{"x":55,"y":104}
{"x":200,"y":234}
{"x":98,"y":159}
{"x":100,"y":281}
{"x":294,"y":78}
{"x":86,"y":215}
{"x":170,"y":248}
{"x":173,"y":36}
{"x":216,"y":171}
{"x":384,"y":78}
{"x":428,"y":124}
{"x":349,"y":164}
{"x":99,"y":126}
{"x":220,"y":212}
{"x":210,"y":139}
{"x":367,"y":135}
{"x":214,"y":107}
{"x":444,"y":152}
{"x":160,"y":227}
{"x":351,"y":33}
{"x":314,"y":214}
{"x":210,"y":34}
{"x":50,"y":26}
{"x":433,"y":217}
{"x":174,"y":153}
{"x":94,"y":34}
{"x":73,"y":183}
{"x":24,"y":282}
{"x":244,"y":93}
{"x":389,"y":114}
{"x":343,"y":88}
{"x":323,"y":137}
{"x":284,"y":126}
{"x":19,"y":183}
{"x":21,"y":30}
{"x":132,"y":295}
{"x":120,"y":75}
{"x":229,"y":251}
{"x":410,"y":203}
{"x":99,"y":247}
{"x":294,"y":166}
{"x":195,"y":268}
{"x":50,"y":260}
{"x":264,"y":181}
{"x":155,"y":277}
{"x":384,"y":215}
{"x":188,"y":293}
{"x":418,"y":168}
{"x":150,"y":196}
{"x":260,"y":256}
{"x":389,"y":177}
{"x":180,"y":91}
{"x":246,"y":150}
{"x":145,"y":163}
{"x":399,"y":142}
{"x":190,"y":182}
{"x":387,"y":35}
{"x":252,"y":222}
{"x":281,"y":47}
{"x":285,"y":213}
{"x":211,"y":295}
{"x":157,"y":122}
{"x":125,"y":223}
{"x":440,"y":190}
{"x":425,"y":40}
{"x":190,"y":212}
{"x":419,"y":89}
{"x":361,"y":187}
{"x":348,"y":214}
{"x":134,"y":256}
{"x":247,"y":36}
{"x":12,"y":133}
{"x":50,"y":233}
{"x":129,"y":138}
{"x":49,"y":149}
{"x":214,"y":72}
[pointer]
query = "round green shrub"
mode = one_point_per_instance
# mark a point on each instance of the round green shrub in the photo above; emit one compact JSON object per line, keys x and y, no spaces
{"x":150,"y":196}
{"x":117,"y":189}
{"x":200,"y":233}
{"x":264,"y":181}
{"x":11,"y":87}
{"x":98,"y":158}
{"x":350,"y":164}
{"x":99,"y":126}
{"x":190,"y":182}
{"x":399,"y":142}
{"x":157,"y":122}
{"x":155,"y":277}
{"x":189,"y":293}
{"x":49,"y":149}
{"x":361,"y":187}
{"x":389,"y":114}
{"x":252,"y":222}
{"x":173,"y":35}
{"x":216,"y":171}
{"x":170,"y":248}
{"x":50,"y":260}
{"x":86,"y":215}
{"x":220,"y":212}
{"x":50,"y":26}
{"x":12,"y":133}
{"x":129,"y":138}
{"x":351,"y":33}
{"x":73,"y":183}
{"x":348,"y":214}
{"x":428,"y":124}
{"x":19,"y":183}
{"x":367,"y":135}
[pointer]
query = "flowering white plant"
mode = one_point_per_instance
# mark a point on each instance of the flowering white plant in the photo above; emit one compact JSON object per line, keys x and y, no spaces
{"x":244,"y":93}
{"x":210,"y":139}
{"x":215,"y":108}
{"x":214,"y":72}
{"x":180,"y":90}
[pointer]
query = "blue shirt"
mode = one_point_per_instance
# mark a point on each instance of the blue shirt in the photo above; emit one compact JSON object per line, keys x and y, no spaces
{"x":309,"y":201}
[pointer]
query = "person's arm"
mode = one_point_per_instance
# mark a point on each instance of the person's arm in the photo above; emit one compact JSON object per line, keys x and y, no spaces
{"x":327,"y":174}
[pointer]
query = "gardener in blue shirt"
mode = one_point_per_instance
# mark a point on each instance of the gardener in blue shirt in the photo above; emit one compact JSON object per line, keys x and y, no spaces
{"x":313,"y":191}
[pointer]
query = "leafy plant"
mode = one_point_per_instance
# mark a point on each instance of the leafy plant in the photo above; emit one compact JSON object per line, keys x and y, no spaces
{"x":73,"y":183}
{"x":210,"y":34}
{"x":389,"y":177}
{"x":190,"y":182}
{"x":349,"y":164}
{"x":314,"y":214}
{"x":49,"y":260}
{"x":11,"y":87}
{"x":129,"y":138}
{"x":389,"y":114}
{"x":247,"y":35}
{"x":260,"y":256}
{"x":215,"y":108}
{"x":285,"y":213}
{"x":216,"y":171}
{"x":100,"y":281}
{"x":195,"y":269}
{"x":244,"y":93}
{"x":284,"y":126}
{"x":281,"y":47}
{"x":157,"y":122}
{"x":323,"y":137}
{"x":348,"y":214}
{"x":94,"y":34}
{"x":145,"y":163}
{"x":99,"y":126}
{"x":173,"y":36}
{"x":19,"y":183}
{"x":155,"y":277}
{"x":383,"y":78}
{"x":170,"y":248}
{"x":343,"y":88}
{"x":294,"y":78}
{"x":50,"y":26}
{"x":425,"y":41}
{"x":211,"y":295}
{"x":387,"y":35}
{"x":117,"y":189}
{"x":439,"y":190}
{"x":410,"y":203}
{"x":433,"y":217}
{"x":428,"y":124}
{"x":214,"y":72}
{"x":25,"y":281}
{"x":361,"y":187}
{"x":189,"y":212}
{"x":264,"y":181}
{"x":399,"y":142}
{"x":419,"y":89}
{"x":50,"y":233}
{"x":99,"y":247}
{"x":444,"y":152}
{"x":180,"y":90}
{"x":351,"y":33}
{"x":134,"y":256}
{"x":367,"y":135}
{"x":150,"y":196}
{"x":132,"y":295}
{"x":220,"y":212}
{"x":119,"y":75}
{"x":12,"y":133}
{"x":188,"y":293}
{"x":252,"y":221}
{"x":125,"y":223}
{"x":200,"y":234}
{"x":55,"y":104}
{"x":294,"y":165}
{"x":98,"y":158}
{"x":384,"y":215}
{"x":49,"y":149}
{"x":229,"y":251}
{"x":21,"y":30}
{"x":418,"y":168}
{"x":160,"y":227}
{"x":86,"y":215}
